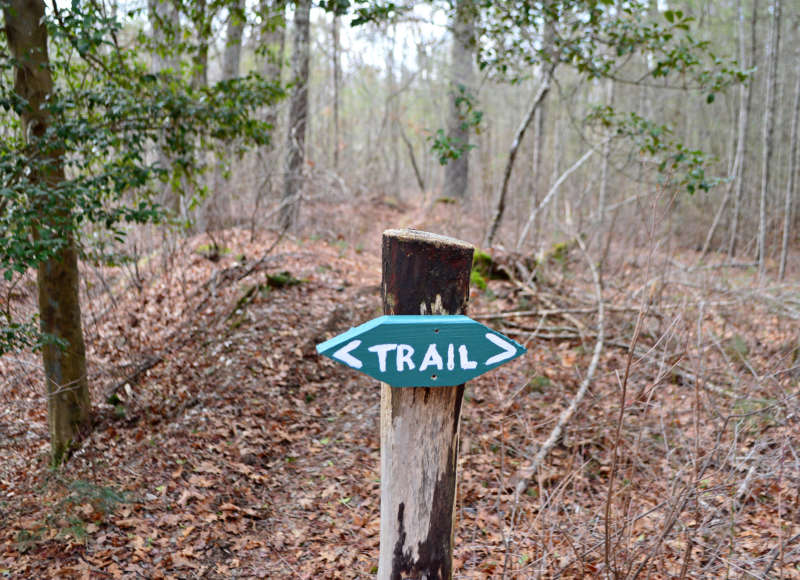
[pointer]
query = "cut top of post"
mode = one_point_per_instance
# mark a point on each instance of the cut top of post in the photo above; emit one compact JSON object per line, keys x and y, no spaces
{"x":425,"y":273}
{"x":412,"y":235}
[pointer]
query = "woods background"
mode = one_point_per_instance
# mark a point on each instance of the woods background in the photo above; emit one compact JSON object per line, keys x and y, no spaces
{"x":192,"y":196}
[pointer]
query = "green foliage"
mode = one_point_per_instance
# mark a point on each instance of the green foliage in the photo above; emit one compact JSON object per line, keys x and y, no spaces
{"x":677,"y":165}
{"x":538,"y":384}
{"x":560,"y":252}
{"x":18,"y":335}
{"x":372,"y":11}
{"x":107,"y":115}
{"x":484,"y":268}
{"x":448,"y":148}
{"x":212,"y":251}
{"x":341,"y":7}
{"x":477,"y":279}
{"x":597,"y":40}
{"x":736,"y":348}
{"x":282,"y":280}
{"x":482,"y":262}
{"x":86,"y":503}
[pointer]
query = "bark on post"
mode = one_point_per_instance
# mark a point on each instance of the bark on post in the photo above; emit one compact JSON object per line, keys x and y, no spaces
{"x":423,"y":273}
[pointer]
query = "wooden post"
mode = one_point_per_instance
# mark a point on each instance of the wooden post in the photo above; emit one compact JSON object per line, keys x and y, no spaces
{"x":423,"y":273}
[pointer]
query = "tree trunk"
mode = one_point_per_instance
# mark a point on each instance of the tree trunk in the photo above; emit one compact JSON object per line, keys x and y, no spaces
{"x":298,"y":112}
{"x":336,"y":81}
{"x":539,"y":142}
{"x":456,"y":173}
{"x":273,"y":39}
{"x":790,"y":180}
{"x":412,"y":158}
{"x":551,"y":195}
{"x":769,"y":115}
{"x":390,"y":115}
{"x":202,"y":24}
{"x":538,"y":147}
{"x":500,"y":204}
{"x":746,"y":98}
{"x":68,"y":404}
{"x":737,"y":171}
{"x":219,"y":207}
{"x":272,"y":36}
{"x":231,"y":59}
{"x":422,"y":274}
{"x":165,"y":25}
{"x":602,"y":201}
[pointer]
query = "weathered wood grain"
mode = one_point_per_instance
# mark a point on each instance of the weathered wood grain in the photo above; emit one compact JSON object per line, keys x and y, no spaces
{"x":422,"y":274}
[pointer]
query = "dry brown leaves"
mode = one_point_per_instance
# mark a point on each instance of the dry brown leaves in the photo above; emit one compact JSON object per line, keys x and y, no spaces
{"x":241,"y":453}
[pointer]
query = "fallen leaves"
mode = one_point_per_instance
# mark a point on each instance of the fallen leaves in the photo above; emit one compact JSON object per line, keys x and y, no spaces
{"x":242,"y":453}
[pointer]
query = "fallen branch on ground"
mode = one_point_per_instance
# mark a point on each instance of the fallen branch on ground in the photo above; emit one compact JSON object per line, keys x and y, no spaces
{"x":148,"y":363}
{"x":566,"y":415}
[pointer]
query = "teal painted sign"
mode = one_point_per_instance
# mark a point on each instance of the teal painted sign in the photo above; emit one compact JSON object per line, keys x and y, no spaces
{"x":422,"y":351}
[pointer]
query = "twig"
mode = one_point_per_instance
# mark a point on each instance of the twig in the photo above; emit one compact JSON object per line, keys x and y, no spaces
{"x":623,"y":394}
{"x":566,"y":414}
{"x":551,"y":194}
{"x":500,"y":204}
{"x":774,"y":555}
{"x":149,"y":363}
{"x":553,"y":311}
{"x":596,"y":545}
{"x":683,"y":373}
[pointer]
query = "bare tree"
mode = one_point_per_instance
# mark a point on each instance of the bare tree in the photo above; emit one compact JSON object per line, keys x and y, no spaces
{"x":739,"y":158}
{"x":298,"y":112}
{"x":68,"y":403}
{"x":201,"y":17}
{"x":232,"y":55}
{"x":337,"y":78}
{"x":745,"y":103}
{"x":771,"y":57}
{"x":602,"y":201}
{"x":219,"y":206}
{"x":790,"y":180}
{"x":539,"y":137}
{"x":165,"y":24}
{"x":273,"y":41}
{"x":456,"y":177}
{"x":500,"y":204}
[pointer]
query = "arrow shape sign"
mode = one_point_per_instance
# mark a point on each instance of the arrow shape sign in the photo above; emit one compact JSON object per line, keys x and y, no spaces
{"x":422,"y":351}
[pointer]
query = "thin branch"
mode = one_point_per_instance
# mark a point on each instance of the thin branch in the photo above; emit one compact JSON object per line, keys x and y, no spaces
{"x":500,"y":205}
{"x":550,"y":195}
{"x":566,"y":414}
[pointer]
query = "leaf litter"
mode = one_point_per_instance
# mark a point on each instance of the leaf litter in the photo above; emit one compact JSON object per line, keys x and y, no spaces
{"x":235,"y":451}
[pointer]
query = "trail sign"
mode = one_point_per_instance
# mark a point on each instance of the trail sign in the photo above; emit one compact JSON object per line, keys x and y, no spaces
{"x":422,"y":351}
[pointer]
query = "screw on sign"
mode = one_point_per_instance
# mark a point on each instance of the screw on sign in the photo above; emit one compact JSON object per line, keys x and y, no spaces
{"x":422,"y":351}
{"x":424,"y":341}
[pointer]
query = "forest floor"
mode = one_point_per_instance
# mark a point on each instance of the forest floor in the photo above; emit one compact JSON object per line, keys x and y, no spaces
{"x":223,"y":446}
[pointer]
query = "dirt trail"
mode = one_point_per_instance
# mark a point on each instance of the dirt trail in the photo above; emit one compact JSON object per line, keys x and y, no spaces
{"x":243,"y":454}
